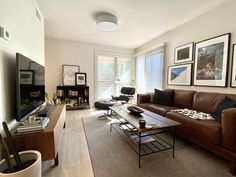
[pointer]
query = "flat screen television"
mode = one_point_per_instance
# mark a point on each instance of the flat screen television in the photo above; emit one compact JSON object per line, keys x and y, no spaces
{"x":30,"y":86}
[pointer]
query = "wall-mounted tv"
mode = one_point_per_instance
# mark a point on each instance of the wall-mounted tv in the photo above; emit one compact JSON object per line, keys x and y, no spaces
{"x":30,"y":85}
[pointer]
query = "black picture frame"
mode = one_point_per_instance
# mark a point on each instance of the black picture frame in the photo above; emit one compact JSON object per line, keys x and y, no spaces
{"x":80,"y":79}
{"x":181,"y":76}
{"x":68,"y":74}
{"x":211,"y":61}
{"x":26,"y":77}
{"x":233,"y":68}
{"x":184,"y":53}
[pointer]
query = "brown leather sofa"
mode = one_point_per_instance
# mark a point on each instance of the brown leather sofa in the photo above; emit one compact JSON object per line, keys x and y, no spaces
{"x":218,"y":137}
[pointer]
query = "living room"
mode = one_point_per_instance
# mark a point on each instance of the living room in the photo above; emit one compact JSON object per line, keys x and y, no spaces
{"x":56,"y":34}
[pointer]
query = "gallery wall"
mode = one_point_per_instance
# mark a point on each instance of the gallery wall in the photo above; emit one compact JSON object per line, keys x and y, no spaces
{"x":26,"y":37}
{"x":59,"y":52}
{"x":213,"y":23}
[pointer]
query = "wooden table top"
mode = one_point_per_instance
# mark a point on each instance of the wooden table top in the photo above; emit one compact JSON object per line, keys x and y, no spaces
{"x":156,"y":121}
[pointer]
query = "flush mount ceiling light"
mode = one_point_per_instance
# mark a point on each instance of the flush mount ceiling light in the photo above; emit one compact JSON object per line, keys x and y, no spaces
{"x":107,"y":22}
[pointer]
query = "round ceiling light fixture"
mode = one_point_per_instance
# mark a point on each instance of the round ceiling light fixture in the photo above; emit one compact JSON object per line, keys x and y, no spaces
{"x":107,"y":22}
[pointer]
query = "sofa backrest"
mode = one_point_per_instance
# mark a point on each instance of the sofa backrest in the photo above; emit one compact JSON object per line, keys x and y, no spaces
{"x":208,"y":101}
{"x":183,"y":98}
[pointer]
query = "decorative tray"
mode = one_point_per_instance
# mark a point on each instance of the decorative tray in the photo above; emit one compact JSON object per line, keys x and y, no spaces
{"x":135,"y":110}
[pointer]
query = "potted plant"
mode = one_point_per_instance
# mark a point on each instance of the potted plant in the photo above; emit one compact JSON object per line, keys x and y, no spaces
{"x":22,"y":164}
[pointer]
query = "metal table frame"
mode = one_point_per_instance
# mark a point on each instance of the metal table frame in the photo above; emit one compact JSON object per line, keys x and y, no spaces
{"x":143,"y":149}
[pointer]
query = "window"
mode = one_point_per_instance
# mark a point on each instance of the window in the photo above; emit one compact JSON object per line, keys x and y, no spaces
{"x":149,"y":70}
{"x":112,"y":72}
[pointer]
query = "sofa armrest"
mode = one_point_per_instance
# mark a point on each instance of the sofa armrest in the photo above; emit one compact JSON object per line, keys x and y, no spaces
{"x":143,"y":98}
{"x":228,"y":124}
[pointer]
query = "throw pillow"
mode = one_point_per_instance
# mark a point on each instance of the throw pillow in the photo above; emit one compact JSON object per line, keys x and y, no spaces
{"x":224,"y":104}
{"x":163,"y":97}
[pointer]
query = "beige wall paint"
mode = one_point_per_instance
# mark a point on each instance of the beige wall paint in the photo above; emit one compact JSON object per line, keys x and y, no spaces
{"x":216,"y":22}
{"x":59,"y":52}
{"x":26,"y":37}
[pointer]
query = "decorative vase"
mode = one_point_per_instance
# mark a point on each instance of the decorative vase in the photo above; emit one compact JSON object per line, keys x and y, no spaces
{"x":34,"y":170}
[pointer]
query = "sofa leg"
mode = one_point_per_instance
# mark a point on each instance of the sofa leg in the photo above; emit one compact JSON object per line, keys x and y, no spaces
{"x":232,"y":167}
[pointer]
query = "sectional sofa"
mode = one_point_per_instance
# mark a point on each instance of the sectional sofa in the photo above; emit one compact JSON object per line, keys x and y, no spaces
{"x":216,"y":136}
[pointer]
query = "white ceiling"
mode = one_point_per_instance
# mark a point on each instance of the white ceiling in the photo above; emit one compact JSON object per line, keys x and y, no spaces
{"x":139,"y":20}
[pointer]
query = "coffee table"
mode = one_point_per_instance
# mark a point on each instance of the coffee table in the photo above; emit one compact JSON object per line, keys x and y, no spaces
{"x":157,"y":136}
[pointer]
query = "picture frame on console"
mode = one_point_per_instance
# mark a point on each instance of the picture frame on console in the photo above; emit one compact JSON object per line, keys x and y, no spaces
{"x":233,"y":71}
{"x":184,"y":53}
{"x":80,"y":79}
{"x":211,"y":61}
{"x":180,"y":74}
{"x":26,"y":77}
{"x":68,"y":74}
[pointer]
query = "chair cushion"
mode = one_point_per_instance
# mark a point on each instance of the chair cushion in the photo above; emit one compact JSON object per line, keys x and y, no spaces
{"x":163,"y":97}
{"x":104,"y":105}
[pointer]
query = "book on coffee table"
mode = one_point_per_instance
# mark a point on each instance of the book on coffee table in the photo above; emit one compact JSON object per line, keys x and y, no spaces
{"x":145,"y":139}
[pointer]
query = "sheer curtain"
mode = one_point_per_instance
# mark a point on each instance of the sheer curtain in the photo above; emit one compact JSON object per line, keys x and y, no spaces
{"x":149,"y":70}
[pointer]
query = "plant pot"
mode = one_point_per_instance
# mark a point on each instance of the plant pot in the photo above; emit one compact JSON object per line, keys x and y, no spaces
{"x":33,"y":170}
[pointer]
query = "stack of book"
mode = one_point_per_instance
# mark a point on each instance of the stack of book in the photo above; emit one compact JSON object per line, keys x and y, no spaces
{"x":38,"y":124}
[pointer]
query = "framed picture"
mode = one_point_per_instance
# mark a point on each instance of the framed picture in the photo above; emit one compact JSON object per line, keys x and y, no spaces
{"x":180,"y":74}
{"x":68,"y":74}
{"x":233,"y":73}
{"x":80,"y":78}
{"x":184,"y":53}
{"x":211,"y":59}
{"x":26,"y":77}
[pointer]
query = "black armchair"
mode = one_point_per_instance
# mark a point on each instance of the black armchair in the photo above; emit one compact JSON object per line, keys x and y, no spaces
{"x":126,"y":94}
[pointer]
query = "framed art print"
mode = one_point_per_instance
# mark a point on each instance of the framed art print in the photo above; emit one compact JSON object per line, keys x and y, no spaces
{"x":80,"y":79}
{"x":26,"y":77}
{"x":68,"y":73}
{"x":180,"y":74}
{"x":211,"y":59}
{"x":233,"y":73}
{"x":184,"y":53}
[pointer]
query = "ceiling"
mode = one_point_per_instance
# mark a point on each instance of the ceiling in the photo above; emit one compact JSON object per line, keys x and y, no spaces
{"x":139,"y":20}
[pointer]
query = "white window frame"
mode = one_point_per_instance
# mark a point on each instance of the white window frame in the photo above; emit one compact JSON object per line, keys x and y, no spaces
{"x":114,"y":55}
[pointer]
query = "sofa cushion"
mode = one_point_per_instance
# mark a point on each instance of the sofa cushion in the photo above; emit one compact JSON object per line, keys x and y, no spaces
{"x":224,"y":104}
{"x":206,"y":130}
{"x":206,"y":101}
{"x":163,"y":97}
{"x":157,"y":108}
{"x":183,"y":98}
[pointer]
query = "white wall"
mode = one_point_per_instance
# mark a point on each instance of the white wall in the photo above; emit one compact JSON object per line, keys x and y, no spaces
{"x":216,"y":22}
{"x":59,"y":52}
{"x":26,"y":37}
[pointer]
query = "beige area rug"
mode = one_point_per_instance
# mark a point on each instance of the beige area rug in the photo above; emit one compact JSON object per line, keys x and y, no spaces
{"x":112,"y":157}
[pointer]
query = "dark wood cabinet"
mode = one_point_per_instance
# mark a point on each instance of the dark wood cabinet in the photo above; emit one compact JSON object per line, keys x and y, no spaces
{"x":78,"y":96}
{"x":47,"y":141}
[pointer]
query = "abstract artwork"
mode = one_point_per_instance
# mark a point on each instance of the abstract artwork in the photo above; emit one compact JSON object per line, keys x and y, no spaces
{"x":233,"y":74}
{"x":69,"y":74}
{"x":184,"y":53}
{"x":211,"y":57}
{"x":179,"y":74}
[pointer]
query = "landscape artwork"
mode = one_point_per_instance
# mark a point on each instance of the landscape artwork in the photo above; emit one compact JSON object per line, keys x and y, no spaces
{"x":233,"y":74}
{"x":179,"y":75}
{"x":184,"y":53}
{"x":210,"y":62}
{"x":211,"y":58}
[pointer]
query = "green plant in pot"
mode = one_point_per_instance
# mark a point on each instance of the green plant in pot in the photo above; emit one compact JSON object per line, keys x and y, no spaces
{"x":25,"y":163}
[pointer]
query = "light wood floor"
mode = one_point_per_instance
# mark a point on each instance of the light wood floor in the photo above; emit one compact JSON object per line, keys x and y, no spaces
{"x":74,"y":158}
